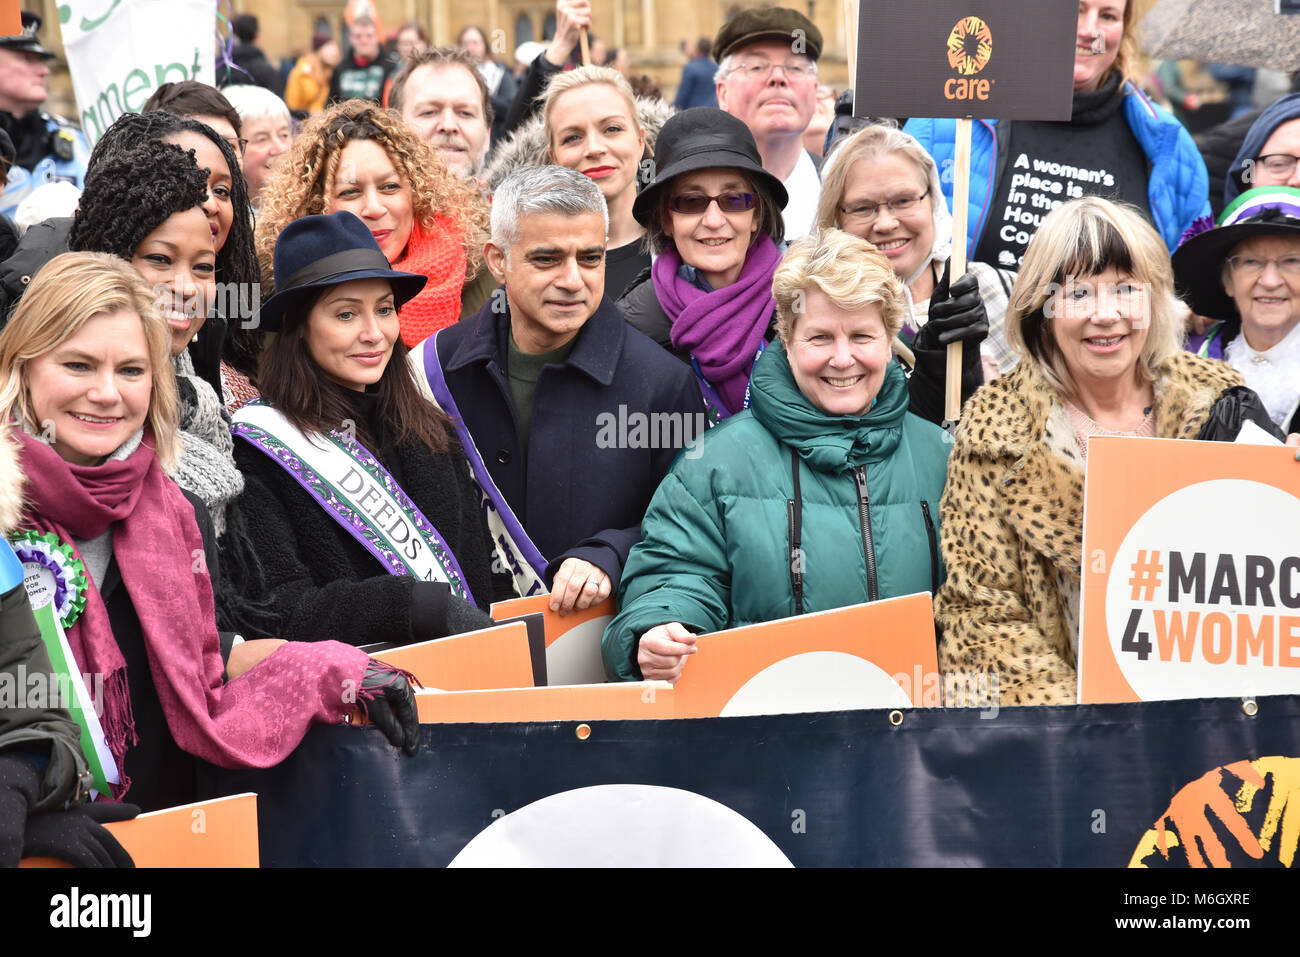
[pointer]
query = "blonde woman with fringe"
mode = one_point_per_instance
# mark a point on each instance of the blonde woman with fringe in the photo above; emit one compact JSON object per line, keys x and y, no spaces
{"x":363,"y":159}
{"x":1093,"y":313}
{"x":824,"y":493}
{"x":88,"y":384}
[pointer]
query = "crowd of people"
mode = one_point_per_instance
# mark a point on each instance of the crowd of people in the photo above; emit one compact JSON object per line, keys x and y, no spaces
{"x":325,"y":361}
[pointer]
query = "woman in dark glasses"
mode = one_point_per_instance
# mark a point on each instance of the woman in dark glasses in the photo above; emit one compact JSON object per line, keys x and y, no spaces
{"x":713,"y":218}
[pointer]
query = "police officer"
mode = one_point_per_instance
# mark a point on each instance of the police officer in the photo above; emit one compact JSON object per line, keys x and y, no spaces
{"x":49,"y":148}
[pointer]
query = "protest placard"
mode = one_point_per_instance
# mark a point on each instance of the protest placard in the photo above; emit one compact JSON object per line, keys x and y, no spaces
{"x":120,"y":52}
{"x":1191,"y":571}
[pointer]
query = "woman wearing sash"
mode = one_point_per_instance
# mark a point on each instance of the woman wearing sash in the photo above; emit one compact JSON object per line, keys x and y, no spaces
{"x":360,"y":520}
{"x":125,"y":554}
{"x":360,"y":158}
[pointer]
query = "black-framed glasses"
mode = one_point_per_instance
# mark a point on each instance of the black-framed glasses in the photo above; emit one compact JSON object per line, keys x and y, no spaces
{"x":864,"y":212}
{"x":1281,"y":165}
{"x":694,"y":203}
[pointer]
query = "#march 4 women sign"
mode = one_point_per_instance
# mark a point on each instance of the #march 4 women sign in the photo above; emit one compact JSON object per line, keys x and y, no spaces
{"x":1191,"y":571}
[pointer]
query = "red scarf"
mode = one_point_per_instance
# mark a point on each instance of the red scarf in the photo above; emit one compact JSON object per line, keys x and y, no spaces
{"x":253,"y":721}
{"x":438,"y":253}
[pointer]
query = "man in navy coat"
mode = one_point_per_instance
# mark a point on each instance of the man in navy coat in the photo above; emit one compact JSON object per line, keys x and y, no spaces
{"x":576,"y":415}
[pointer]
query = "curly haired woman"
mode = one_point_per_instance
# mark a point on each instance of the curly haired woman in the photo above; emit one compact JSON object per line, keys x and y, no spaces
{"x":359,"y":158}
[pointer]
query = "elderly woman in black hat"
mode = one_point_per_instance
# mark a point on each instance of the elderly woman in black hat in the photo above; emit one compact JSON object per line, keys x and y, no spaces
{"x":713,"y":218}
{"x":359,"y":519}
{"x":1245,"y":277}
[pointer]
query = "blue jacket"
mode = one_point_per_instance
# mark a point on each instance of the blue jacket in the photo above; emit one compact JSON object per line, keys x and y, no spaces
{"x":595,"y":455}
{"x":49,"y":169}
{"x":697,"y":87}
{"x":1177,"y":187}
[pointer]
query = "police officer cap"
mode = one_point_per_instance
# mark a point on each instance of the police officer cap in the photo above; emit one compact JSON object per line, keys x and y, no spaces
{"x":27,"y":41}
{"x":768,"y":23}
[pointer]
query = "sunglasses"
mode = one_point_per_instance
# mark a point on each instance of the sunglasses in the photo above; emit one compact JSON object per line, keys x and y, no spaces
{"x":694,"y":203}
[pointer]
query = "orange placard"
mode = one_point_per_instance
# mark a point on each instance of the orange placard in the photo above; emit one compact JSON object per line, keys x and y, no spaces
{"x":11,"y":18}
{"x":1191,"y":574}
{"x":875,"y":655}
{"x":218,"y":833}
{"x":492,"y":658}
{"x":609,"y":702}
{"x":572,"y":641}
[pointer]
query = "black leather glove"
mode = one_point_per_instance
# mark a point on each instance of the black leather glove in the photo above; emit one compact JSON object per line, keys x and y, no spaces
{"x":956,"y":315}
{"x":20,"y":784}
{"x":392,"y":709}
{"x":79,"y":837}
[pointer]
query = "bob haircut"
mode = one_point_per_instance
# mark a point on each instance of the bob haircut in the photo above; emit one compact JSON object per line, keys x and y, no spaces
{"x":849,"y":271}
{"x":878,"y":139}
{"x":65,"y":294}
{"x":300,"y":185}
{"x":1078,"y":240}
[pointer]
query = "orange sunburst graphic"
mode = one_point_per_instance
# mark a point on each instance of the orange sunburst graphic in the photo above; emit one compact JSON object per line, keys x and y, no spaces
{"x":969,"y":46}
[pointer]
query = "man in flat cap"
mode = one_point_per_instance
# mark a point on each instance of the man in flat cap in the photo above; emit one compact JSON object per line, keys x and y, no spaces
{"x":767,"y":77}
{"x":48,"y":149}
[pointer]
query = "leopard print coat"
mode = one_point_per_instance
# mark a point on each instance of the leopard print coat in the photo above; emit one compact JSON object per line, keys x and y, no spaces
{"x":1012,"y":525}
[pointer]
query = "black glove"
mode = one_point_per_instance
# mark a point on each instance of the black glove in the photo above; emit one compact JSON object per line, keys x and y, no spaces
{"x":20,"y":785}
{"x":955,"y":316}
{"x":392,"y":709}
{"x":78,"y":837}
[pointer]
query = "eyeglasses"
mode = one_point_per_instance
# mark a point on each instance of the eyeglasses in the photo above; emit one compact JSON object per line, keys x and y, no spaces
{"x":693,"y":204}
{"x":238,"y":145}
{"x":865,"y":212}
{"x":1252,"y":266}
{"x":1281,"y":165}
{"x":762,"y":69}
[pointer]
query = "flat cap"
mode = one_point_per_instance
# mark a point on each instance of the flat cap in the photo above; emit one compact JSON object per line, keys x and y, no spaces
{"x":768,"y":23}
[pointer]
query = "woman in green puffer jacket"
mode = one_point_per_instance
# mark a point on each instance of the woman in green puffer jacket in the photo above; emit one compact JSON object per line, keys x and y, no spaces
{"x":823,"y":494}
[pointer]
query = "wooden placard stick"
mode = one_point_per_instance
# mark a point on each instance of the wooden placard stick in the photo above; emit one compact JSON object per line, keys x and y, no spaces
{"x":586,"y":47}
{"x":960,"y":208}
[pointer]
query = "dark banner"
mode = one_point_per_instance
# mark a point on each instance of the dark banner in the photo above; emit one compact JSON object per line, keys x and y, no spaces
{"x":1004,"y":59}
{"x":1078,"y":786}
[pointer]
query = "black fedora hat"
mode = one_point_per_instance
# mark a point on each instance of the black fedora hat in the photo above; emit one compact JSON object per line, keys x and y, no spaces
{"x":1198,"y":262}
{"x":319,"y":251}
{"x":704,"y":138}
{"x":27,"y":41}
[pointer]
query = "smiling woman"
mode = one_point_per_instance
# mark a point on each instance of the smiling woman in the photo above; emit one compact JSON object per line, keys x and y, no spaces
{"x":370,"y":528}
{"x":362,"y":159}
{"x":1094,"y":314}
{"x":150,"y":205}
{"x":825,"y":494}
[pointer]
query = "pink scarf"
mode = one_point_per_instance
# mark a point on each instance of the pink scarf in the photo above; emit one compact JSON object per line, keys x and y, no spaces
{"x":721,"y":329}
{"x":255,"y":720}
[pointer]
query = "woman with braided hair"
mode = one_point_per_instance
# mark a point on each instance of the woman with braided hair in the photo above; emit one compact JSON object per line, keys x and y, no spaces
{"x":359,"y":158}
{"x":146,"y":204}
{"x":231,"y":341}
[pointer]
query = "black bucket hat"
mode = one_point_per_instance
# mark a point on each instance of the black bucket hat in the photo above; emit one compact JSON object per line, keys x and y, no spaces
{"x":28,"y":41}
{"x":319,"y":251}
{"x":704,"y":138}
{"x":1198,"y":262}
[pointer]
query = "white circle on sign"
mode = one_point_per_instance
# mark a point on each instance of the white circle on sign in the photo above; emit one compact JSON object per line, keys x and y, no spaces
{"x":1212,"y":648}
{"x":622,"y":825}
{"x":816,"y":681}
{"x":39,"y":583}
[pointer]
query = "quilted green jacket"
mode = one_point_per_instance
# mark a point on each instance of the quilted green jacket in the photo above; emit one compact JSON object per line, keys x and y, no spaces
{"x":716,"y":548}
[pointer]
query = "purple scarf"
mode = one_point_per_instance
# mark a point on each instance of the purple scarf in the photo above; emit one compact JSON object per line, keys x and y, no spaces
{"x":721,"y":329}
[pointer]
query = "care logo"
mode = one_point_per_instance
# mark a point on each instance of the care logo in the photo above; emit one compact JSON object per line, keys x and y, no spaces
{"x":970,"y":45}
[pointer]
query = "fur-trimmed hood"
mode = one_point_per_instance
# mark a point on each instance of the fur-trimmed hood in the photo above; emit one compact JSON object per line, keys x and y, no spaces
{"x":11,"y":481}
{"x":527,"y":145}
